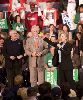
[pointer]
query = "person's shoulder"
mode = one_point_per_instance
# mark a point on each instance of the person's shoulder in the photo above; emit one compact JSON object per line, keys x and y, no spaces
{"x":29,"y":39}
{"x":7,"y":40}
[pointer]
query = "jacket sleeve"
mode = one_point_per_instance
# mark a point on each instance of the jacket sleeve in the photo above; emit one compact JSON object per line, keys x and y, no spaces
{"x":5,"y":54}
{"x":55,"y":58}
{"x":54,"y":44}
{"x":27,"y":48}
{"x":45,"y":48}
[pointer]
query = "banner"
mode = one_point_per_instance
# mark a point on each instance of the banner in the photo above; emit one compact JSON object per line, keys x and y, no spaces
{"x":3,"y":24}
{"x":67,"y":20}
{"x":51,"y":77}
{"x":16,"y":5}
{"x":75,"y":74}
{"x":80,"y":2}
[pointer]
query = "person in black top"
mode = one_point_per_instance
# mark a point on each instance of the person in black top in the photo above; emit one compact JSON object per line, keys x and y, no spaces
{"x":64,"y":63}
{"x":13,"y":52}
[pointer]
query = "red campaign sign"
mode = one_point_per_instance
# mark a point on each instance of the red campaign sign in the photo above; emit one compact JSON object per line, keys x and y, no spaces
{"x":16,"y":5}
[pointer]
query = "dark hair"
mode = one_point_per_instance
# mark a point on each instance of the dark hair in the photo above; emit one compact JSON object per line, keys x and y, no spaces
{"x":51,"y":25}
{"x":46,"y":97}
{"x":78,"y":33}
{"x":80,"y":88}
{"x":32,"y":91}
{"x":65,"y":88}
{"x":79,"y":25}
{"x":56,"y":92}
{"x":67,"y":27}
{"x":16,"y":18}
{"x":81,"y":5}
{"x":44,"y":88}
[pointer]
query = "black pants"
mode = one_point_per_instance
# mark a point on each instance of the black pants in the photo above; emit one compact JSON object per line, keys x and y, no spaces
{"x":66,"y":76}
{"x":15,"y":68}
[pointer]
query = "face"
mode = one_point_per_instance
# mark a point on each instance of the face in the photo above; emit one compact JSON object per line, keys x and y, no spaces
{"x":65,"y":28}
{"x":35,"y":32}
{"x":1,"y":14}
{"x":52,"y":50}
{"x":51,"y":28}
{"x":53,"y":39}
{"x":81,"y":9}
{"x":79,"y":27}
{"x":49,"y":5}
{"x":18,"y":19}
{"x":78,"y":36}
{"x":63,"y":38}
{"x":14,"y":35}
{"x":32,"y":8}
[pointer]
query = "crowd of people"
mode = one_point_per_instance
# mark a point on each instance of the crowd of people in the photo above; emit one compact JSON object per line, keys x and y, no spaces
{"x":37,"y":43}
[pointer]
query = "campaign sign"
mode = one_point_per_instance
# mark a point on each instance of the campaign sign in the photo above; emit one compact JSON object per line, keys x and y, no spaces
{"x":67,"y":20}
{"x":75,"y":74}
{"x":51,"y":77}
{"x":3,"y":24}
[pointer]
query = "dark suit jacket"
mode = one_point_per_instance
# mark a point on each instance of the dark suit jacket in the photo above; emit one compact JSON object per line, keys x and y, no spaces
{"x":12,"y":48}
{"x":66,"y":62}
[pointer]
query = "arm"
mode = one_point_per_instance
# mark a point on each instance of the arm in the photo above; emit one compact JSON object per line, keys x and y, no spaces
{"x":5,"y":49}
{"x":27,"y":48}
{"x":45,"y":48}
{"x":54,"y":44}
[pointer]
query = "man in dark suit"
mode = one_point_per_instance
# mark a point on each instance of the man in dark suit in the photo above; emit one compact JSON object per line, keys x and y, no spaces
{"x":13,"y":52}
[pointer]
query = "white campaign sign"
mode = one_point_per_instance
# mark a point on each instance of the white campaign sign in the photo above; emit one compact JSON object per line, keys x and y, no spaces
{"x":67,"y":20}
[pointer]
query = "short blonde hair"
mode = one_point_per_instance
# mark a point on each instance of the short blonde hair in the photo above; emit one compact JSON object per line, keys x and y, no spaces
{"x":35,"y":27}
{"x":59,"y":36}
{"x":18,"y":80}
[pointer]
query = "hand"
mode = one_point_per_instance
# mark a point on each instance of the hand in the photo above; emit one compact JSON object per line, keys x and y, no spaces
{"x":59,"y":46}
{"x":19,"y":57}
{"x":48,"y":69}
{"x":34,"y":54}
{"x":39,"y":54}
{"x":12,"y":57}
{"x":52,"y":69}
{"x":45,"y":66}
{"x":81,"y":53}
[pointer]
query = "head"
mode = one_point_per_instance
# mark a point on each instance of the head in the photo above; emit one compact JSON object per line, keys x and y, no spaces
{"x":1,"y":14}
{"x":32,"y":6}
{"x":35,"y":30}
{"x":78,"y":35}
{"x":18,"y":80}
{"x":32,"y":91}
{"x":81,"y":8}
{"x":13,"y":34}
{"x":51,"y":27}
{"x":65,"y":88}
{"x":51,"y":48}
{"x":44,"y":88}
{"x":46,"y":97}
{"x":64,"y":37}
{"x":65,"y":28}
{"x":17,"y":19}
{"x":56,"y":92}
{"x":49,"y":4}
{"x":80,"y":27}
{"x":22,"y":92}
